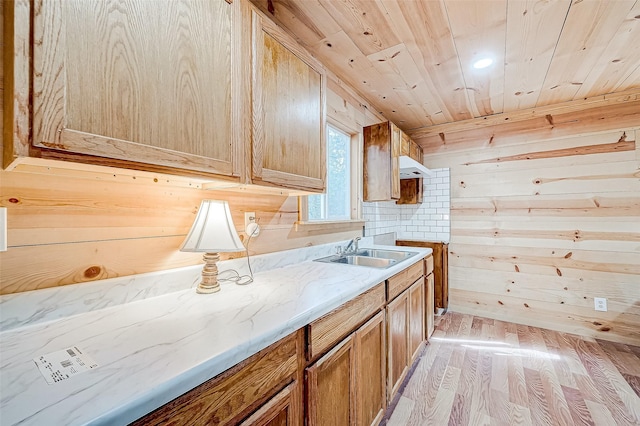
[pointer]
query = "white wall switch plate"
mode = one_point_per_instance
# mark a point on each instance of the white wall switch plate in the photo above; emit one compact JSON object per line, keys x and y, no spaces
{"x":3,"y":229}
{"x":600,"y":304}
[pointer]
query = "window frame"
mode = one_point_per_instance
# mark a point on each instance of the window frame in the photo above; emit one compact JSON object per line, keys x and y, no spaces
{"x":355,"y":221}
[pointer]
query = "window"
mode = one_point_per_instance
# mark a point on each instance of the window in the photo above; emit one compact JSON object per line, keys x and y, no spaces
{"x":335,"y":204}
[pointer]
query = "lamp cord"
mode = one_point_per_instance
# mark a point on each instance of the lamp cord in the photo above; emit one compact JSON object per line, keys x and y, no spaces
{"x":241,"y":279}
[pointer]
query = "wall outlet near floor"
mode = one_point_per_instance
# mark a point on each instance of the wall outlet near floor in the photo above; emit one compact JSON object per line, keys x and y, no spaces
{"x":600,"y":304}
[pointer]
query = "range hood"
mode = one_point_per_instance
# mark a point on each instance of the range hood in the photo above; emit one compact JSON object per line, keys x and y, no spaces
{"x":410,"y":168}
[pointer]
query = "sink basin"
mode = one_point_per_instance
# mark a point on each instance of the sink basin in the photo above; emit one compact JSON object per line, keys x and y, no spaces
{"x":374,"y":262}
{"x":373,"y":258}
{"x":386,"y":254}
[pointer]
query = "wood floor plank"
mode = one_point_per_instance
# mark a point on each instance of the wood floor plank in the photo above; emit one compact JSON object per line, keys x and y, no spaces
{"x":634,"y":382}
{"x":401,"y":412}
{"x":499,"y":407}
{"x":500,"y":374}
{"x":482,"y":384}
{"x":537,"y":399}
{"x":478,"y":371}
{"x":588,"y":388}
{"x":519,"y":415}
{"x":622,"y":357}
{"x":595,"y":365}
{"x":440,"y":411}
{"x":461,"y":408}
{"x":579,"y":411}
{"x":425,"y":396}
{"x":517,"y":384}
{"x":600,"y":414}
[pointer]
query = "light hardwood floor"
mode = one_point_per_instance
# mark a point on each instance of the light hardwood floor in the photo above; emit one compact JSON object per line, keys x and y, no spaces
{"x":480,"y":371}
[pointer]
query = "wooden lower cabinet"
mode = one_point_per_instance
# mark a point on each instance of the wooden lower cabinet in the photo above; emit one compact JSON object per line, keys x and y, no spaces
{"x":397,"y":342}
{"x":252,"y":386}
{"x":282,"y":410}
{"x":429,"y":306}
{"x":356,"y":357}
{"x":347,"y":385}
{"x":416,"y":319}
{"x":371,"y":365}
{"x":331,"y":387}
{"x":405,"y":333}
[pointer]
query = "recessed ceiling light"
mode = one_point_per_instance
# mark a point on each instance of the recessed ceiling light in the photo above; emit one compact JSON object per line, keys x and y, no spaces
{"x":482,"y":63}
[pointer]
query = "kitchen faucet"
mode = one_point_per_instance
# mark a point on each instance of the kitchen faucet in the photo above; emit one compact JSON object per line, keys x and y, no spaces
{"x":353,"y":243}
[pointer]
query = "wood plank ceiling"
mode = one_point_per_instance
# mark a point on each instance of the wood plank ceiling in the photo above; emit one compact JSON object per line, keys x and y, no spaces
{"x":413,"y":59}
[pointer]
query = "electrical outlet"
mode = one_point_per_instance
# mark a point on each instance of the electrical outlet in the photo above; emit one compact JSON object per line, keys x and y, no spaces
{"x":249,"y":217}
{"x":600,"y":304}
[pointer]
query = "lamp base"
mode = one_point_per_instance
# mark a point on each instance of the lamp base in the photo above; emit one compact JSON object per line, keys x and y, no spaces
{"x":209,"y":283}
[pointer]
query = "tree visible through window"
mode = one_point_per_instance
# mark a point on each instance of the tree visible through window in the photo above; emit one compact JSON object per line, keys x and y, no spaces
{"x":335,"y":204}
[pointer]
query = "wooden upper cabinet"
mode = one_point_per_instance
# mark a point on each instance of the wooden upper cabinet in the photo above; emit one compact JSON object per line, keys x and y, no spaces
{"x":382,"y":146}
{"x":410,"y":148}
{"x":289,"y":110}
{"x":415,"y":152}
{"x":405,"y":145}
{"x":150,"y":82}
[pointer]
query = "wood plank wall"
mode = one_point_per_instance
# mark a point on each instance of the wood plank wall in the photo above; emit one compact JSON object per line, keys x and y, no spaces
{"x":77,"y":223}
{"x":545,"y":216}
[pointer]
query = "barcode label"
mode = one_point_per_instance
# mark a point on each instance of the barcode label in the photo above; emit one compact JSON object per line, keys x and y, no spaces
{"x":64,"y":364}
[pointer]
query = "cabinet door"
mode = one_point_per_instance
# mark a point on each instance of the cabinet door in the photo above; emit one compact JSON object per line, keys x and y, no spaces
{"x":410,"y":191}
{"x":381,"y":157}
{"x":416,"y":318}
{"x":289,"y":92}
{"x":331,"y":387}
{"x":396,"y":141}
{"x":415,"y":152}
{"x":149,"y":82}
{"x":405,"y":147}
{"x":397,"y":342}
{"x":281,"y":410}
{"x":371,"y":379}
{"x":429,"y":308}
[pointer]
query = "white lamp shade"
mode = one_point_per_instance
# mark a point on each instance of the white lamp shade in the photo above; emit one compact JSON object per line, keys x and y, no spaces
{"x":213,"y":230}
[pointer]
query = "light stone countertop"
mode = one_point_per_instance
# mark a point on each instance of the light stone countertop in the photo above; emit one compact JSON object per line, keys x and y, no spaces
{"x":154,"y":348}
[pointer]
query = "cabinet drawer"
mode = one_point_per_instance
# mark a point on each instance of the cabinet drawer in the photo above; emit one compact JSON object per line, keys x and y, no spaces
{"x":414,"y":272}
{"x":428,"y":265}
{"x":329,"y":329}
{"x":402,"y":280}
{"x":236,"y":392}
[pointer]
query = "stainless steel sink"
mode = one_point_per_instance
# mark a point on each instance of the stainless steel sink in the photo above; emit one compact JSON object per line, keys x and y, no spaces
{"x":373,"y":258}
{"x":374,"y":262}
{"x":386,"y":254}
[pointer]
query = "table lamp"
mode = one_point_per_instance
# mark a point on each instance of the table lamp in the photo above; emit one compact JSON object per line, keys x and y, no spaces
{"x":212,"y":232}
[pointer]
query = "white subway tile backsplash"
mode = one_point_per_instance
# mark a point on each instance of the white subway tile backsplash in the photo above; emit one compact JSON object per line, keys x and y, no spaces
{"x":426,"y":221}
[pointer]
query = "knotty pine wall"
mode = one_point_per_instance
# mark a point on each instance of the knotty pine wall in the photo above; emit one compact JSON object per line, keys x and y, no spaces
{"x":72,"y":223}
{"x":545,"y":216}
